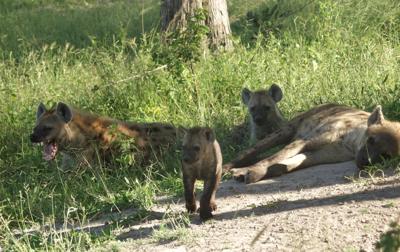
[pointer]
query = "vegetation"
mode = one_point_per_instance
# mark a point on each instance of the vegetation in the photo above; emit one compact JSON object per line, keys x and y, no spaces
{"x":390,"y":240}
{"x":95,"y":56}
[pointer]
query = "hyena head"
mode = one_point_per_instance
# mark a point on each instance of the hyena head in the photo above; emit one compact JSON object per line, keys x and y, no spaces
{"x":196,"y":143}
{"x":381,"y":140}
{"x":262,"y":106}
{"x":52,"y":129}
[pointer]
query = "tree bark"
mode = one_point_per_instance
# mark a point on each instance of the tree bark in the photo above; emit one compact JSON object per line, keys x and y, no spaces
{"x":218,"y":21}
{"x":175,"y":13}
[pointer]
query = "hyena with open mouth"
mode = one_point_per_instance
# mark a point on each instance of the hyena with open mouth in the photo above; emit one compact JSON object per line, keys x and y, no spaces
{"x":83,"y":138}
{"x":328,"y":133}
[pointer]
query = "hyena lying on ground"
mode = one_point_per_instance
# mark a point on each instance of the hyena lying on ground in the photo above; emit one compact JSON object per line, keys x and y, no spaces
{"x":83,"y":138}
{"x":328,"y":133}
{"x":201,"y":159}
{"x":264,"y":114}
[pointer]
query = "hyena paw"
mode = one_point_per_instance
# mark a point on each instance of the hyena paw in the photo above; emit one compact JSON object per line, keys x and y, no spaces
{"x":213,"y":206}
{"x":239,"y":174}
{"x":205,"y":214}
{"x":191,"y":207}
{"x":254,"y":175}
{"x":227,"y":167}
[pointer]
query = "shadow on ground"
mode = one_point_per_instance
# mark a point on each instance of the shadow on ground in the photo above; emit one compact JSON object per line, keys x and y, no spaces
{"x":389,"y":192}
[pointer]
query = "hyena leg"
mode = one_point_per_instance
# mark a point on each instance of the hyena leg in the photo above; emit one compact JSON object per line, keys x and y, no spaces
{"x":190,"y":197}
{"x":206,"y":204}
{"x":248,"y":156}
{"x":326,"y":155}
{"x":257,"y":171}
{"x":213,"y":205}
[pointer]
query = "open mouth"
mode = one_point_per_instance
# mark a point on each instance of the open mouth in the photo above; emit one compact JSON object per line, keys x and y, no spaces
{"x":50,"y":151}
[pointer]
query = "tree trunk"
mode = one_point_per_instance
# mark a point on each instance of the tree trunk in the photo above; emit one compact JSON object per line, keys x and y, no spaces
{"x":175,"y":13}
{"x":218,"y":21}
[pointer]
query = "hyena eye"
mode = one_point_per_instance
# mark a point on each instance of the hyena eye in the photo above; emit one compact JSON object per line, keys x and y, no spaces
{"x":252,"y":109}
{"x":196,"y":148}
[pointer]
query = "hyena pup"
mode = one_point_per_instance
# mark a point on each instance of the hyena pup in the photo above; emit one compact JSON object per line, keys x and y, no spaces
{"x":201,"y":159}
{"x":85,"y":138}
{"x":328,"y":133}
{"x":265,"y":116}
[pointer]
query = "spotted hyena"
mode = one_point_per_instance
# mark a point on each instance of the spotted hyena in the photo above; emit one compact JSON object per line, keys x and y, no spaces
{"x":201,"y":160}
{"x":328,"y":133}
{"x":264,"y":114}
{"x":83,"y":138}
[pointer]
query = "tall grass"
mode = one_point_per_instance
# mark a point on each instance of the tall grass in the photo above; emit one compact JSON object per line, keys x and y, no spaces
{"x":92,"y":56}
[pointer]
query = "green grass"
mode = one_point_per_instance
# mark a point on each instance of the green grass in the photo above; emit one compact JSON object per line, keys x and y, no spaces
{"x":94,"y":56}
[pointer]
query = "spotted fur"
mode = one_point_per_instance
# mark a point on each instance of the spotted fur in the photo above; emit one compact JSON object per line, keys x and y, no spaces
{"x":328,"y":133}
{"x":83,"y":137}
{"x":264,"y":114}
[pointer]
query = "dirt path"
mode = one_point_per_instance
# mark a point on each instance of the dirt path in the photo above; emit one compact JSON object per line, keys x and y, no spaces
{"x":316,"y":209}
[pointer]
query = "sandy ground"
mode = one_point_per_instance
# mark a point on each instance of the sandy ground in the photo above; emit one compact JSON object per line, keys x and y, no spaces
{"x":315,"y":209}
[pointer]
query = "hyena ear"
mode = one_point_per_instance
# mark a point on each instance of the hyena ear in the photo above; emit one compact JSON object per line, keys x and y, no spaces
{"x":376,"y":116}
{"x":41,"y":109}
{"x":246,"y":93}
{"x":64,"y":111}
{"x":275,"y":92}
{"x":209,"y":135}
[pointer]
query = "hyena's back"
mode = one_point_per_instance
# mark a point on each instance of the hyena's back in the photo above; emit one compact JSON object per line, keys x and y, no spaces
{"x":151,"y":134}
{"x":331,"y":123}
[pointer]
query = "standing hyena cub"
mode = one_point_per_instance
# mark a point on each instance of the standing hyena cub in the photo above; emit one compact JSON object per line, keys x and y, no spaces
{"x":201,"y":159}
{"x":265,"y":116}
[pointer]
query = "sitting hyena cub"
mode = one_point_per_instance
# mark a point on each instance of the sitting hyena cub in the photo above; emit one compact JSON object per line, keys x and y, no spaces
{"x":265,"y":116}
{"x":201,"y":159}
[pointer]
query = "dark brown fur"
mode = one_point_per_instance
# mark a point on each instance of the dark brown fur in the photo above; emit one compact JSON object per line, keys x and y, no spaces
{"x":201,"y":159}
{"x":80,"y":137}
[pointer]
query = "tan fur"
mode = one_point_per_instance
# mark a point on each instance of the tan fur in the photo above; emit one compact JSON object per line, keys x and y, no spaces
{"x":201,"y":159}
{"x":84,"y":137}
{"x":328,"y":133}
{"x":264,"y":114}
